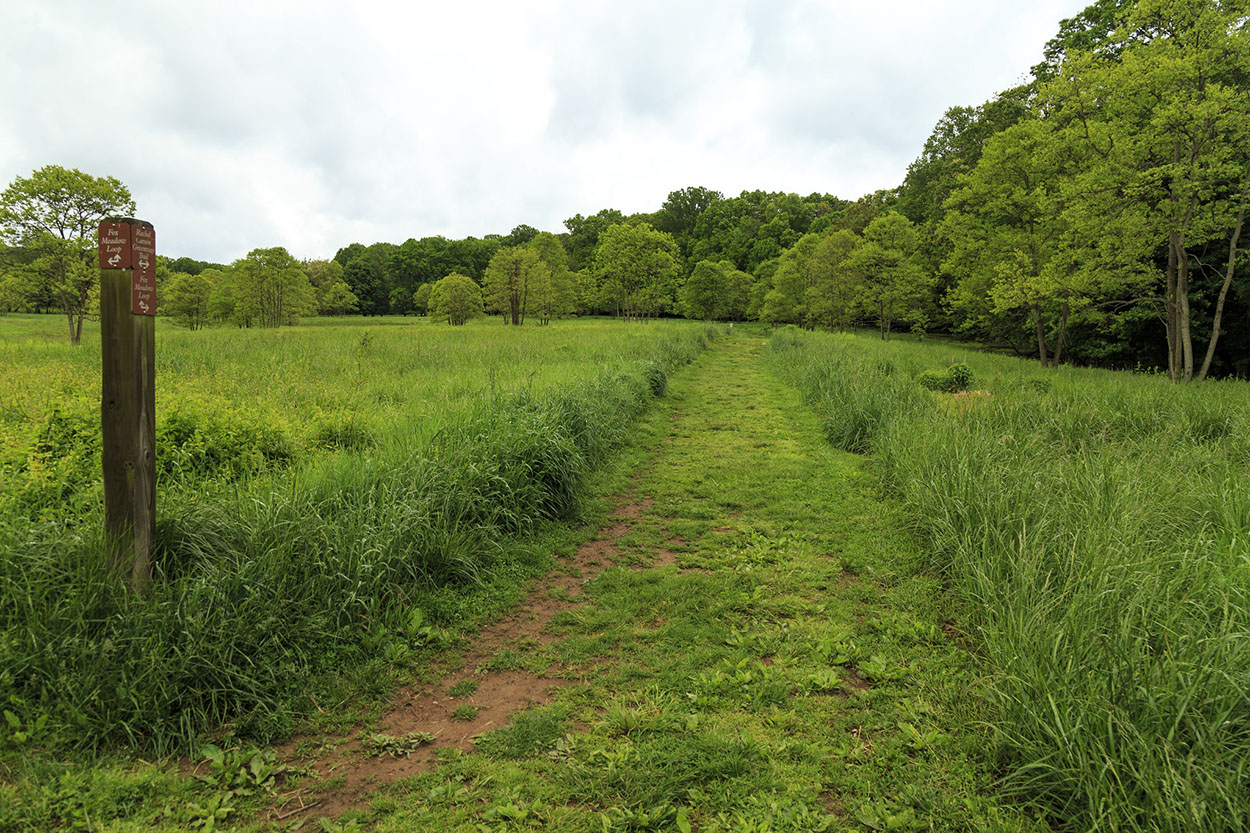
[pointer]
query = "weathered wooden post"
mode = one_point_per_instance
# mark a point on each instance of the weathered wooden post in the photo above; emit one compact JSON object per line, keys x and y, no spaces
{"x":127,"y":249}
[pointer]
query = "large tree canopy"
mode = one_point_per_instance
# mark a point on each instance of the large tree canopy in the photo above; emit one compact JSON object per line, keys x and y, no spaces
{"x":1164,"y":118}
{"x":270,"y":288}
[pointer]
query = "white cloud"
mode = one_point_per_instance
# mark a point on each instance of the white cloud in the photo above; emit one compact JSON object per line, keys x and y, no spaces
{"x":314,"y":124}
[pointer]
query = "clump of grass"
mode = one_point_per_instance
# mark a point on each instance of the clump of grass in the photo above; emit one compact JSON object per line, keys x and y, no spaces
{"x":1096,"y":523}
{"x":464,"y":712}
{"x":380,"y":743}
{"x":464,"y":688}
{"x":856,"y":400}
{"x":529,"y":733}
{"x":505,"y":660}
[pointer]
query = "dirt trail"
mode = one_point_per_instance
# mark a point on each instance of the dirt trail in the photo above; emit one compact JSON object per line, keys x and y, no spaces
{"x":498,"y":693}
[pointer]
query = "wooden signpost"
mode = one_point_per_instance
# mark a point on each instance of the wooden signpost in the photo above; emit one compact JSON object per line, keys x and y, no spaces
{"x":127,"y":256}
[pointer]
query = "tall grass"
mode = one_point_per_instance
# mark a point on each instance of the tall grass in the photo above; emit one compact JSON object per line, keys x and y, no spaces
{"x":1098,"y":527}
{"x":234,"y":403}
{"x":340,"y":560}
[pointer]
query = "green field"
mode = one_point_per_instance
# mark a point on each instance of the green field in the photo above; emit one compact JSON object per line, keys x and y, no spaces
{"x":353,"y":473}
{"x":232,"y":402}
{"x":829,"y":597}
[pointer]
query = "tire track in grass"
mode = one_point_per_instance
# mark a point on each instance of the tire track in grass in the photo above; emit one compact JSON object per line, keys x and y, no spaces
{"x":749,"y":644}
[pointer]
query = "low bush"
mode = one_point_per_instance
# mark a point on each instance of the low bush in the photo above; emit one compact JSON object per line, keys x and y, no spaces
{"x":955,"y":378}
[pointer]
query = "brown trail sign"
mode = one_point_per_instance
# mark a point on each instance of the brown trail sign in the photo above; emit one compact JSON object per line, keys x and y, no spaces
{"x":127,"y":258}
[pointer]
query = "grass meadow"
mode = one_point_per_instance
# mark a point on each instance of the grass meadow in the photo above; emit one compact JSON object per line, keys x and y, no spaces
{"x":1024,"y":606}
{"x":330,"y":496}
{"x":1097,"y":527}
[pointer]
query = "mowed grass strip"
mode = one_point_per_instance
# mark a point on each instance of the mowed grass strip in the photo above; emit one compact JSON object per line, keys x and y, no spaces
{"x":764,"y":652}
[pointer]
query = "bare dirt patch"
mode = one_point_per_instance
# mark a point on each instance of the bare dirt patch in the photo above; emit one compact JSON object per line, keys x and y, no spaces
{"x":632,"y":510}
{"x":832,"y":803}
{"x":856,"y":683}
{"x":663,"y":558}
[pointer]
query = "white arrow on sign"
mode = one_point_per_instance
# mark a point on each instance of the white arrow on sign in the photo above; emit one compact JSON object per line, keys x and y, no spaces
{"x":114,"y":260}
{"x":143,"y":263}
{"x":143,"y":305}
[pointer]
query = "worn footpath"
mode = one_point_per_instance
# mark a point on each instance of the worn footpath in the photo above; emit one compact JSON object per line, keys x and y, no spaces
{"x":749,"y":643}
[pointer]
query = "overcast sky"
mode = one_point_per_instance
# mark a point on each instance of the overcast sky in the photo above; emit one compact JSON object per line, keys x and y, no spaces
{"x":312,"y":124}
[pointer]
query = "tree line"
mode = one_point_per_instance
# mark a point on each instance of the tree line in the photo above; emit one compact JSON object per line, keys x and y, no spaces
{"x":1093,"y":214}
{"x":1097,"y":212}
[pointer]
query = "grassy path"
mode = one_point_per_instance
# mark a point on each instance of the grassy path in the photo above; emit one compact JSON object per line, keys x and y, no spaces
{"x":747,"y":645}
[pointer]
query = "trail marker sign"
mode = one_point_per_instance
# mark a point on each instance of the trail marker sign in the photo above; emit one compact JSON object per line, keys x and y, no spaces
{"x":114,"y":245}
{"x":143,"y":274}
{"x":131,"y":244}
{"x":127,"y":259}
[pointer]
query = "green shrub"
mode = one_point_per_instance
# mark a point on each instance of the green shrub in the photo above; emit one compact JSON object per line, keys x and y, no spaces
{"x":58,"y":477}
{"x":932,"y":379}
{"x":216,"y":445}
{"x":959,"y":377}
{"x":955,"y":378}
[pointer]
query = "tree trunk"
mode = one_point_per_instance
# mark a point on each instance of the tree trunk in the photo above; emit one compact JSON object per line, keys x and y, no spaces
{"x":1041,"y":333}
{"x":1063,"y":332}
{"x":1171,"y":317}
{"x":1183,"y":316}
{"x":1228,"y":278}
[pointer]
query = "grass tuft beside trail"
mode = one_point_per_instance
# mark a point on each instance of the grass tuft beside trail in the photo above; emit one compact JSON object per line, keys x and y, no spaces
{"x":1097,"y":527}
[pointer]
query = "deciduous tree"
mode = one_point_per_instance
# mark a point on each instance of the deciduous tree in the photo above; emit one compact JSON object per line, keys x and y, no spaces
{"x":640,"y":266}
{"x":456,"y":298}
{"x":561,"y":299}
{"x":833,"y":286}
{"x":509,"y":277}
{"x":704,"y":293}
{"x":271,"y":288}
{"x":1165,"y":114}
{"x":421,"y":298}
{"x":54,"y":213}
{"x":895,"y":287}
{"x":786,"y":301}
{"x":186,"y":299}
